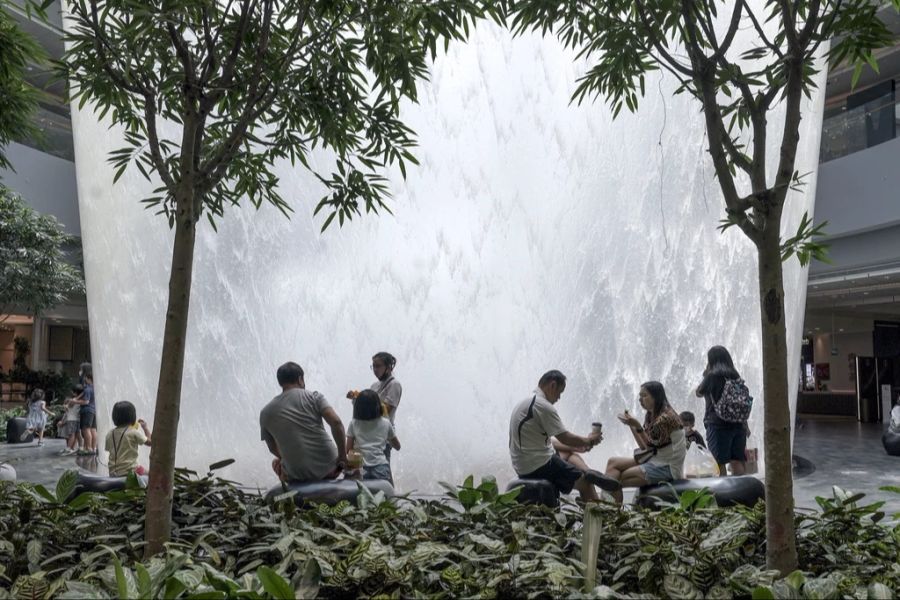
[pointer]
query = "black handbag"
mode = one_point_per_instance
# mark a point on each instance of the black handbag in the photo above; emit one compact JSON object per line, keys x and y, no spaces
{"x":642,"y":455}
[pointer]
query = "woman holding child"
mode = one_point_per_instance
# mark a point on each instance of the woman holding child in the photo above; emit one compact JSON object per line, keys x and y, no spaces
{"x":661,"y":437}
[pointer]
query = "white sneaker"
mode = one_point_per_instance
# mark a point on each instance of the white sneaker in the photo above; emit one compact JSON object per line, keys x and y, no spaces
{"x":24,"y":435}
{"x":40,"y":443}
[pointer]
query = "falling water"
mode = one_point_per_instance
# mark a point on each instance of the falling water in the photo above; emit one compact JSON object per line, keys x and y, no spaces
{"x":535,"y":235}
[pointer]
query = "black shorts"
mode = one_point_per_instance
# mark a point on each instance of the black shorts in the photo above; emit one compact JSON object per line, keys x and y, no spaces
{"x":87,"y":419}
{"x":726,"y":442}
{"x":558,"y":472}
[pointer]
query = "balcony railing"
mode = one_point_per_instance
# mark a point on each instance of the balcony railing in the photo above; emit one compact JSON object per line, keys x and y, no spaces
{"x":846,"y":131}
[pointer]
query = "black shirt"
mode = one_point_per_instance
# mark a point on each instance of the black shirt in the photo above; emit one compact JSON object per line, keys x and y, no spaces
{"x":696,"y":438}
{"x":711,"y":389}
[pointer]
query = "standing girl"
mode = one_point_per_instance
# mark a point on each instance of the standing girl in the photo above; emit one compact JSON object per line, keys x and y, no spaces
{"x":368,"y":434}
{"x":37,"y":416}
{"x":726,"y":440}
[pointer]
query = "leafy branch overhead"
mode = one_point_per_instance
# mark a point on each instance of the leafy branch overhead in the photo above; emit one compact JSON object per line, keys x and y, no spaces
{"x":246,"y":84}
{"x":626,"y":40}
{"x":35,"y":272}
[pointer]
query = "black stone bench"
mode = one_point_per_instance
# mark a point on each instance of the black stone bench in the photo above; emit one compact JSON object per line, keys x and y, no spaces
{"x":15,"y":427}
{"x":745,"y":490}
{"x":891,"y":442}
{"x":535,"y":491}
{"x":97,"y":483}
{"x":330,"y":492}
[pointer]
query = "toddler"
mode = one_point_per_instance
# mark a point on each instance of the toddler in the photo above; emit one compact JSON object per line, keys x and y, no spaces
{"x":368,"y":434}
{"x":123,"y":442}
{"x":37,"y":416}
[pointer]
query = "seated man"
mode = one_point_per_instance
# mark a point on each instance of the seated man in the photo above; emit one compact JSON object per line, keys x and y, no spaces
{"x":533,"y":424}
{"x":291,"y":426}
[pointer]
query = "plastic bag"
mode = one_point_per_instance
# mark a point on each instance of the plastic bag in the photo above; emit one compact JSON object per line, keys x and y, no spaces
{"x":698,"y":462}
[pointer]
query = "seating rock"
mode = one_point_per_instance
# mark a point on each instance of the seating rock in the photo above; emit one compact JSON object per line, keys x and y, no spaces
{"x":891,"y":442}
{"x":535,"y":491}
{"x":15,"y":427}
{"x":330,"y":492}
{"x":728,"y":491}
{"x":97,"y":483}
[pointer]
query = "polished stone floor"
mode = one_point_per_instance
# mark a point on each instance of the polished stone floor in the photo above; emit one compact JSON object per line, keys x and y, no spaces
{"x":846,"y":454}
{"x":842,"y":452}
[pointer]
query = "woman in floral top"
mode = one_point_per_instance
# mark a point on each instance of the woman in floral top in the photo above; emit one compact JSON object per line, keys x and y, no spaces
{"x":661,"y":431}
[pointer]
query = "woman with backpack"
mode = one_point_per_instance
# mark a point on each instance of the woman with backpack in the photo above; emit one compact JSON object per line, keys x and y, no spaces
{"x":728,"y":404}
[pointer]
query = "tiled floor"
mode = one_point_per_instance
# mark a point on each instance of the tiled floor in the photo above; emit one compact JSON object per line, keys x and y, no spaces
{"x":44,"y":465}
{"x":843,"y":452}
{"x":847,"y":454}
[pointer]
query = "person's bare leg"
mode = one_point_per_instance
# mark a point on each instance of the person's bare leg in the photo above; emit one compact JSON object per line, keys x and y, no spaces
{"x":738,"y":467}
{"x":586,"y":490}
{"x":576,"y":461}
{"x":631,"y":477}
{"x":615,"y":468}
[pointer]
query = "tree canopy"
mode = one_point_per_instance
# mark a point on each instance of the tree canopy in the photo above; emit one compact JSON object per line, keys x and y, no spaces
{"x":34,"y":271}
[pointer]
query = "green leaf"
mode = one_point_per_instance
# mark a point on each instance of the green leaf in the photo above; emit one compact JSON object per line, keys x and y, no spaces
{"x":221,"y":464}
{"x":274,"y":584}
{"x":144,"y":583}
{"x":762,"y":593}
{"x":121,"y":582}
{"x":66,"y":485}
{"x":309,"y":581}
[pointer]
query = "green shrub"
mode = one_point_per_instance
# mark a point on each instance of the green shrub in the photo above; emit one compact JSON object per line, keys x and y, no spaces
{"x":230,"y":543}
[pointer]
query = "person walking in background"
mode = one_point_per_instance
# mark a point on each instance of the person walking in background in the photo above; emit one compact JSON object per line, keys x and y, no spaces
{"x":369,"y":433}
{"x":723,"y":389}
{"x":691,"y":435}
{"x":88,"y":414}
{"x":660,"y":439}
{"x":123,"y":442}
{"x":71,"y":423}
{"x":36,"y":421}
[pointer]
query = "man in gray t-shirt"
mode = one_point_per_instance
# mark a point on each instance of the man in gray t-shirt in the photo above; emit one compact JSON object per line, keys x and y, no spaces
{"x":292,"y":427}
{"x":537,"y":438}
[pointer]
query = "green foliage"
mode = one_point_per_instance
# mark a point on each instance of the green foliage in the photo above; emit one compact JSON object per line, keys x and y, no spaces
{"x":231,"y":544}
{"x":250,"y":84}
{"x":18,"y":52}
{"x":34,"y":272}
{"x":483,"y":497}
{"x":804,"y":243}
{"x":6,"y":415}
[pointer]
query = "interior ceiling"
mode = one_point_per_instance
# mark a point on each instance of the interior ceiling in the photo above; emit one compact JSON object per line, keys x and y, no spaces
{"x":854,"y":300}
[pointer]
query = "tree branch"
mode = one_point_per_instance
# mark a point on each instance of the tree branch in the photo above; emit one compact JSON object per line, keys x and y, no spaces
{"x":654,"y":40}
{"x":762,"y":34}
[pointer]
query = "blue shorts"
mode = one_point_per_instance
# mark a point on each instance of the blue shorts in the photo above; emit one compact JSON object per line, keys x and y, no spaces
{"x":377,"y":472}
{"x":654,"y":473}
{"x":726,"y":442}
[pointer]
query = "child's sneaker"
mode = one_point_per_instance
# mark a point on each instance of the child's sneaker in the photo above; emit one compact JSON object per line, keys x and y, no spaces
{"x":24,"y":435}
{"x":40,"y":443}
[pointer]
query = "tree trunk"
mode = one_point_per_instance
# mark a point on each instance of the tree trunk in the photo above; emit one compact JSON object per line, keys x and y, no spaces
{"x":158,"y":518}
{"x":781,"y":549}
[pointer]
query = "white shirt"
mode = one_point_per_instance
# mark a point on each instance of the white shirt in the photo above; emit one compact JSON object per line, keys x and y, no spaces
{"x":533,"y":422}
{"x":389,"y":391}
